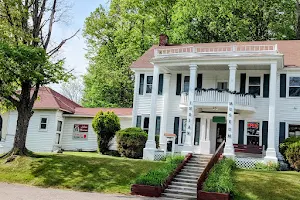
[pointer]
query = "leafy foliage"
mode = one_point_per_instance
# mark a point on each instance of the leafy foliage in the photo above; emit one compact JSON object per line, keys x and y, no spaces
{"x":131,"y":142}
{"x":270,"y":166}
{"x":105,"y":125}
{"x":157,"y":177}
{"x":293,"y":155}
{"x":220,"y":177}
{"x":286,"y":143}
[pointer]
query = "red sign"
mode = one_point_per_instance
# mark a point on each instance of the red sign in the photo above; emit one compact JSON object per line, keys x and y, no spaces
{"x":253,"y":125}
{"x":81,"y":128}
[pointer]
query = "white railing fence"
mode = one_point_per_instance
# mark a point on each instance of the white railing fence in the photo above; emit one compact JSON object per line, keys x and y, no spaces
{"x":247,"y":163}
{"x":218,"y":49}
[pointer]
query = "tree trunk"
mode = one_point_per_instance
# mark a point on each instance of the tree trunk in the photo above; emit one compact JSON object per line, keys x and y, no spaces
{"x":298,"y":20}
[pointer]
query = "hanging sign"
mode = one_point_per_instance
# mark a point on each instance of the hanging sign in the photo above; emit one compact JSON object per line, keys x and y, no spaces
{"x":80,"y":131}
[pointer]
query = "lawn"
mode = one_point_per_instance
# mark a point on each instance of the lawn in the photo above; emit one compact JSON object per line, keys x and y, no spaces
{"x":76,"y":171}
{"x":264,"y":185}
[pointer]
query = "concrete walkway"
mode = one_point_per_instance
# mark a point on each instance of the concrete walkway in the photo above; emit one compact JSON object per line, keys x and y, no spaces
{"x":22,"y":192}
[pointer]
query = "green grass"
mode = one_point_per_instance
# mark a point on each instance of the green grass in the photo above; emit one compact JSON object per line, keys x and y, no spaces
{"x":76,"y":171}
{"x":267,"y":185}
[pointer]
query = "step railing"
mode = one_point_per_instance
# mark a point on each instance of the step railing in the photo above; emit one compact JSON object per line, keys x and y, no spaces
{"x":214,"y":159}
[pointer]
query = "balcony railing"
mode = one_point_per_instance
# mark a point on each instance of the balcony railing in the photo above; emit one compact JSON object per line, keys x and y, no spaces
{"x":215,"y":50}
{"x":218,"y":97}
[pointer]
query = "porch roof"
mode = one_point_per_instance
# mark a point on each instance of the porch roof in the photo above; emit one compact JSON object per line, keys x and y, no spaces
{"x":289,"y":48}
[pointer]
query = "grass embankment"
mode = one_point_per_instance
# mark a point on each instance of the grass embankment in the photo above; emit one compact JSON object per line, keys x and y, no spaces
{"x":267,"y":185}
{"x":76,"y":171}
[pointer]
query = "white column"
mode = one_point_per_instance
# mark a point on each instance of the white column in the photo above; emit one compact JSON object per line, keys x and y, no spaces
{"x":135,"y":95}
{"x":150,"y":148}
{"x":271,"y":152}
{"x":188,"y":148}
{"x":205,"y":132}
{"x":229,"y":149}
{"x":164,"y":120}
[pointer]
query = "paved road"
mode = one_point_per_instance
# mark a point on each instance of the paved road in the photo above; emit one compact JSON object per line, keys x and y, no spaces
{"x":21,"y":192}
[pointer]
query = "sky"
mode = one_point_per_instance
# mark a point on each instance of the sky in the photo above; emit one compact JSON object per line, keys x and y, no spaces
{"x":74,"y":50}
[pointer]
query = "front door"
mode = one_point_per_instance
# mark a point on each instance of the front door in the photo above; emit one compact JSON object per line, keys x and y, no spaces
{"x":221,"y":134}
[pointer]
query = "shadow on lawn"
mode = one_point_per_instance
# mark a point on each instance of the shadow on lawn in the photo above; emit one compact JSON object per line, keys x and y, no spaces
{"x":86,"y":173}
{"x":268,"y":186}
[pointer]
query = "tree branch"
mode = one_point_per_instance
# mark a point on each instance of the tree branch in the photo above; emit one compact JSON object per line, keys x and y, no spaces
{"x":53,"y":51}
{"x":34,"y":95}
{"x":50,"y":24}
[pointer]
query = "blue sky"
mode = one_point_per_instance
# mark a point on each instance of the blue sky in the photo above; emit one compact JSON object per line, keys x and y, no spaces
{"x":74,"y":50}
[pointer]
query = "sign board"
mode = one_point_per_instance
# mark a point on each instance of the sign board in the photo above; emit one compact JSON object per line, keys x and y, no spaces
{"x":218,"y":119}
{"x":80,"y":131}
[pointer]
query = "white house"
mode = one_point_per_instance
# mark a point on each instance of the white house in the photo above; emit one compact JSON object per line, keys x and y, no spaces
{"x":57,"y":123}
{"x":247,"y":93}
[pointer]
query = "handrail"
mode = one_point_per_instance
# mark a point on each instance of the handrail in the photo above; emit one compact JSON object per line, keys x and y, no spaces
{"x":214,"y":159}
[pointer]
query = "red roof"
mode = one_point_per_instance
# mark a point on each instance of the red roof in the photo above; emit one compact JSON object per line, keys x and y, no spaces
{"x":289,"y":48}
{"x":94,"y":111}
{"x":50,"y":99}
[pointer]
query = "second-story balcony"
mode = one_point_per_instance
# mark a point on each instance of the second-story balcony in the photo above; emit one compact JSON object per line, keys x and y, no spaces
{"x":219,"y":99}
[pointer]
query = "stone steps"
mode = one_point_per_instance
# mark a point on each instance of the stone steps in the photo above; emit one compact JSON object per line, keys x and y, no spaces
{"x":179,"y":196}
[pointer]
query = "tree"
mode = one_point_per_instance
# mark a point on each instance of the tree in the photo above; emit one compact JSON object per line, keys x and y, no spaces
{"x":105,"y":125}
{"x":26,"y":28}
{"x":73,"y":89}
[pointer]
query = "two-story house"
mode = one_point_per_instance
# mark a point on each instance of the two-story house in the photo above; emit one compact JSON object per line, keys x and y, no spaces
{"x":245,"y":93}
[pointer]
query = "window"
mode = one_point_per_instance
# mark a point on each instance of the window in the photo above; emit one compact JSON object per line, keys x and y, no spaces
{"x":294,"y":130}
{"x":186,"y":84}
{"x":183,"y":130}
{"x":138,"y":121}
{"x":141,"y":88}
{"x":146,"y":124}
{"x":58,"y":133}
{"x":254,"y":85}
{"x":294,"y":86}
{"x":59,"y":126}
{"x":149,"y":84}
{"x":43,"y":125}
{"x":157,"y":126}
{"x":253,"y":133}
{"x":222,"y":85}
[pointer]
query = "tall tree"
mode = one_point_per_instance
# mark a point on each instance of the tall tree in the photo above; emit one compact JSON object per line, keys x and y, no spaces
{"x":73,"y":89}
{"x":26,"y":28}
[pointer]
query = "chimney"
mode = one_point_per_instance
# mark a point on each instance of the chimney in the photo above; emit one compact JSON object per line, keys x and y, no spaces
{"x":163,"y":40}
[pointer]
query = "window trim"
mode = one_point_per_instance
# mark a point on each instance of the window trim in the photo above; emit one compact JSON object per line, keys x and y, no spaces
{"x":288,"y":86}
{"x":182,"y":85}
{"x":287,"y":126}
{"x":145,"y":84}
{"x":221,"y":81}
{"x":246,"y":129}
{"x":261,"y":83}
{"x":40,"y":123}
{"x":142,"y":121}
{"x":180,"y":130}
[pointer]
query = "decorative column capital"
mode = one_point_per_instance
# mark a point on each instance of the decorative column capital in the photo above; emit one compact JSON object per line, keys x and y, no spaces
{"x":232,"y":66}
{"x":193,"y":67}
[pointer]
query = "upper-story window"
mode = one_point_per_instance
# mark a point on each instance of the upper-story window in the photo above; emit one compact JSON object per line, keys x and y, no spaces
{"x":222,"y":85}
{"x":149,"y":84}
{"x":43,"y":124}
{"x":186,"y":84}
{"x":254,"y":85}
{"x":294,"y":86}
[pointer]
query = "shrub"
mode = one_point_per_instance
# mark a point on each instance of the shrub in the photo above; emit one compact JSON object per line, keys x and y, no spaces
{"x":293,"y":154}
{"x":157,"y":141}
{"x":270,"y":166}
{"x":131,"y":142}
{"x":105,"y":125}
{"x":287,"y":142}
{"x":158,"y":177}
{"x":220,"y":177}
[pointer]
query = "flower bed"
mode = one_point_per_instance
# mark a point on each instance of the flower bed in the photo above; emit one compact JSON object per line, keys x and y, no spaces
{"x":156,"y":181}
{"x":219,"y":183}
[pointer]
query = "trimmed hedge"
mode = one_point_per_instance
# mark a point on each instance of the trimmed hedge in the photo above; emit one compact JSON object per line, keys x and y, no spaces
{"x":220,"y":177}
{"x":270,"y":166}
{"x":286,"y":143}
{"x":131,"y":142}
{"x":292,"y":155}
{"x":158,"y":177}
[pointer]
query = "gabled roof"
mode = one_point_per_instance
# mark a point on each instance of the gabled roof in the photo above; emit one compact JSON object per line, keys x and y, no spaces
{"x":121,"y":112}
{"x":50,"y":99}
{"x":289,"y":48}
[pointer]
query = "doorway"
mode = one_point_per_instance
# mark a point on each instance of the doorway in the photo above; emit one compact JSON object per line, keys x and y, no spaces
{"x":221,"y":134}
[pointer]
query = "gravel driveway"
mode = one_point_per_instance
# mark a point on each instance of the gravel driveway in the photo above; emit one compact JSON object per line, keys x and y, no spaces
{"x":22,"y":192}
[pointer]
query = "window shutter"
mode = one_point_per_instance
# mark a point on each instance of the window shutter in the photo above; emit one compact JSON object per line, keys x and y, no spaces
{"x":141,"y":87}
{"x":138,"y":121}
{"x":265,"y":134}
{"x":178,"y":85}
{"x":283,"y":85}
{"x":176,"y":128}
{"x":266,"y":85}
{"x":199,"y":81}
{"x":160,"y":84}
{"x":243,"y":83}
{"x":241,"y":131}
{"x":157,"y":126}
{"x":197,"y":131}
{"x":281,"y":132}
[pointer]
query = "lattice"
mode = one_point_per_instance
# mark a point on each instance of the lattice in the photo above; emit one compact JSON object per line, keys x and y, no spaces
{"x":159,"y":155}
{"x":247,"y":163}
